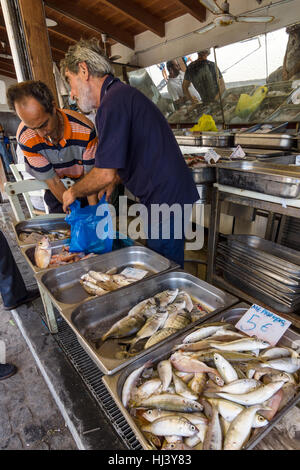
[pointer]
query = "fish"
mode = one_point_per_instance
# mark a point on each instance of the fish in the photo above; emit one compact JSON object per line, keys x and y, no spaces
{"x":187,"y":364}
{"x":98,"y":276}
{"x":171,"y":425}
{"x":182,"y":389}
{"x":285,"y":364}
{"x":213,"y":436}
{"x":185,"y":376}
{"x":227,"y":409}
{"x":169,"y":402}
{"x":121,"y":280}
{"x":147,"y":389}
{"x":166,"y":297}
{"x":247,"y":344}
{"x":139,"y":308}
{"x":178,"y":320}
{"x":276,"y":353}
{"x":232,"y":356}
{"x":225,"y":369}
{"x":197,"y":383}
{"x":42,"y":253}
{"x":202,"y":333}
{"x":273,"y":404}
{"x":127,"y":326}
{"x":199,"y":437}
{"x":159,"y":336}
{"x":164,"y":369}
{"x":195,"y":417}
{"x":183,"y":295}
{"x":178,"y":445}
{"x":92,"y":289}
{"x":254,"y":397}
{"x":153,"y":324}
{"x":130,"y":383}
{"x":239,"y":386}
{"x":240,"y":428}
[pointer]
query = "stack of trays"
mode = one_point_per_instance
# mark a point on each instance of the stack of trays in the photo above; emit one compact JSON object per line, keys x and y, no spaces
{"x":265,"y":270}
{"x":290,"y":233}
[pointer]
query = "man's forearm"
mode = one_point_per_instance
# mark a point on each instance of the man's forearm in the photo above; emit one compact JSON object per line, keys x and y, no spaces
{"x":96,"y":180}
{"x":56,"y":187}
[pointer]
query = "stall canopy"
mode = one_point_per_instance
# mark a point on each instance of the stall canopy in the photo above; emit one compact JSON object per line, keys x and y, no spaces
{"x":120,"y":21}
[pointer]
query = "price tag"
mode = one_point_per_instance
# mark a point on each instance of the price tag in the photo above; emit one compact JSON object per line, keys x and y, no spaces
{"x":263,"y":324}
{"x":297,"y":160}
{"x":134,"y":273}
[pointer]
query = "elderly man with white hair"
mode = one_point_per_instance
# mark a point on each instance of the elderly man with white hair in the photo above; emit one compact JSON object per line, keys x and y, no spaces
{"x":136,"y":145}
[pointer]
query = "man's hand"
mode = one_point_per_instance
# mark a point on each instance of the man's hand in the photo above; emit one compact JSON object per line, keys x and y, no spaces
{"x":68,"y":199}
{"x":108,"y":190}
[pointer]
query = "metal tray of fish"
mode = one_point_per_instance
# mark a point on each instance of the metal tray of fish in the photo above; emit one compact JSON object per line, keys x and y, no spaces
{"x":63,"y":284}
{"x":91,"y":320}
{"x":44,"y":225}
{"x":56,"y":248}
{"x":275,"y":180}
{"x":115,"y":383}
{"x":278,"y":255}
{"x":261,"y":140}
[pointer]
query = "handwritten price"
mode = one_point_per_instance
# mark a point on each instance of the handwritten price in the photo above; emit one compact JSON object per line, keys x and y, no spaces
{"x":263,"y":324}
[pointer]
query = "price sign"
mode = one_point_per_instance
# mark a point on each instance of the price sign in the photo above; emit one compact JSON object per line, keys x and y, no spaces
{"x":263,"y":324}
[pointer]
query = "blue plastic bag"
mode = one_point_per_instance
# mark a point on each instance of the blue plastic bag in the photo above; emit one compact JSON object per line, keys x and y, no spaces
{"x":90,"y":233}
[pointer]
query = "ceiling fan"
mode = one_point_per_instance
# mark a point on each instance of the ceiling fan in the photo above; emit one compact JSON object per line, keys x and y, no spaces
{"x":225,"y":18}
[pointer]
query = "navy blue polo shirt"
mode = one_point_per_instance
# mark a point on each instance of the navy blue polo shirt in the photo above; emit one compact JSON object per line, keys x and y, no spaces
{"x":136,"y":139}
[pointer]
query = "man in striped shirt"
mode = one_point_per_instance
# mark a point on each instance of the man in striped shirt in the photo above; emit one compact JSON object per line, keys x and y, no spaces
{"x":56,"y":143}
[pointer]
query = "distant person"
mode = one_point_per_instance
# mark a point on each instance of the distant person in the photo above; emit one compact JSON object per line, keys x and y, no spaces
{"x":202,"y":73}
{"x":162,"y":68}
{"x":175,"y":82}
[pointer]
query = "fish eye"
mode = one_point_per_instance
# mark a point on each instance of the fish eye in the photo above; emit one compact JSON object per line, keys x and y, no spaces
{"x":261,"y":418}
{"x":172,"y":446}
{"x":149,"y":412}
{"x":193,"y":428}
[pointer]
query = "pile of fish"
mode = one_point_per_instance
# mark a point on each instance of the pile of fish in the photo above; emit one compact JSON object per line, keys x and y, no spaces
{"x":97,"y":283}
{"x":31,"y":237}
{"x":154,"y":319}
{"x":213,"y":392}
{"x":44,"y":258}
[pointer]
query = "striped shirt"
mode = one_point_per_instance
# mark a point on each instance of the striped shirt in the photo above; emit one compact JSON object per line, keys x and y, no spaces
{"x":72,"y":157}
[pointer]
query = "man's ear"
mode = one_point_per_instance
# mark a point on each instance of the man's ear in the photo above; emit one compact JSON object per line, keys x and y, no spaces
{"x":83,"y":70}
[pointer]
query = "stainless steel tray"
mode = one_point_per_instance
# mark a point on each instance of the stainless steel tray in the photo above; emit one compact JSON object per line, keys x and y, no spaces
{"x":39,"y":224}
{"x":284,"y":159}
{"x":290,"y":300}
{"x":92,"y":319}
{"x":258,"y":266}
{"x":188,"y":140}
{"x":260,"y":140}
{"x":259,"y":275}
{"x":205,"y":174}
{"x":28,"y":251}
{"x":114,"y":384}
{"x":63,"y":284}
{"x":288,"y":259}
{"x":275,"y":180}
{"x":258,"y":293}
{"x":214,"y":139}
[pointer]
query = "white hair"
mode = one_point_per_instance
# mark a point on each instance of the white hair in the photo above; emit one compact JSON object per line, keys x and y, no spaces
{"x":90,"y":52}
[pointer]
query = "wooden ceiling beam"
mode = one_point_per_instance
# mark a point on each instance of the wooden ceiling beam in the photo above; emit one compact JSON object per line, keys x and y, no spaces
{"x":139,"y":14}
{"x":89,"y":20}
{"x":69,"y":33}
{"x":7,"y":74}
{"x":194,"y":8}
